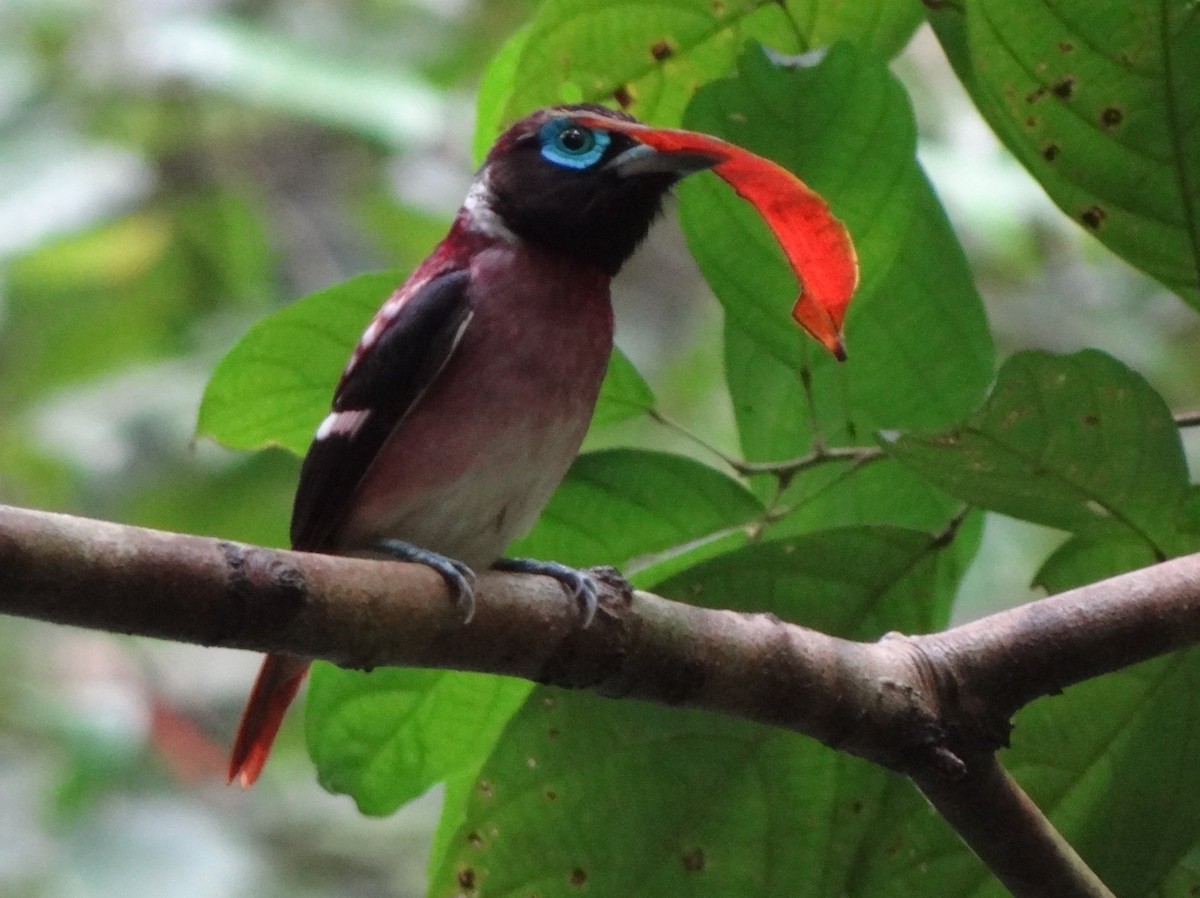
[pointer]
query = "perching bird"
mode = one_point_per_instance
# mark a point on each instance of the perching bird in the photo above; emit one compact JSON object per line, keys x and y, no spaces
{"x":468,"y":395}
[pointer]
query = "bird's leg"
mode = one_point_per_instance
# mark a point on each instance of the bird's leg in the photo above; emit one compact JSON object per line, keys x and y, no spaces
{"x":459,"y":578}
{"x":582,"y":585}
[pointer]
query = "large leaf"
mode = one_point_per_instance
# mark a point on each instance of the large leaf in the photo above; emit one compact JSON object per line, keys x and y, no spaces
{"x":651,"y":56}
{"x":1107,"y":752}
{"x":385,"y":737}
{"x":1100,"y":103}
{"x":617,"y":504}
{"x":1077,"y":442}
{"x":622,"y":799}
{"x":920,"y":354}
{"x":275,"y":385}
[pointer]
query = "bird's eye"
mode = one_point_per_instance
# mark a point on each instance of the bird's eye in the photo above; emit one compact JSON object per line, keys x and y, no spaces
{"x":565,"y":143}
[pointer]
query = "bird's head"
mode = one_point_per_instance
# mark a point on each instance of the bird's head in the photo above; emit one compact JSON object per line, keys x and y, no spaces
{"x":568,"y":178}
{"x":588,"y":181}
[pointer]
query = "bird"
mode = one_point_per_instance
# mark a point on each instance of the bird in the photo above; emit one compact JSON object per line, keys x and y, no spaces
{"x":468,"y":394}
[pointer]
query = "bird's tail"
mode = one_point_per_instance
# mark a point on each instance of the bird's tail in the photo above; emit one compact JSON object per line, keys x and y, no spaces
{"x":276,"y":686}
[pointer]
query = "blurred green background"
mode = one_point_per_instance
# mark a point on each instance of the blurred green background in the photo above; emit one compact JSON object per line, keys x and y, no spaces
{"x":171,"y":171}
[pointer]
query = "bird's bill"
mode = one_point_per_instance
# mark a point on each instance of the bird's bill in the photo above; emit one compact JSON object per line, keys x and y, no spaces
{"x":643,"y":159}
{"x":817,"y":245}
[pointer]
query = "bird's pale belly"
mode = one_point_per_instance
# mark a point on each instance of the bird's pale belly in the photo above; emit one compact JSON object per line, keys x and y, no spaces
{"x":495,"y":495}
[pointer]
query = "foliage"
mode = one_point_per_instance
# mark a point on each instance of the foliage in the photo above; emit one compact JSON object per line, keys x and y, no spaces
{"x":554,"y":793}
{"x":572,"y":791}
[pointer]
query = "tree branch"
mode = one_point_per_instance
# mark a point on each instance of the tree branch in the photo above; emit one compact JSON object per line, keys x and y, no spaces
{"x":1010,"y":834}
{"x":933,"y":707}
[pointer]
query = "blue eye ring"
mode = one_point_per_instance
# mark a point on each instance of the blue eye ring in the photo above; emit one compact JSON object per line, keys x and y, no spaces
{"x":572,"y":145}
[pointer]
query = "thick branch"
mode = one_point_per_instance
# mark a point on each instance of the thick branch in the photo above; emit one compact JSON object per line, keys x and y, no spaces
{"x":1004,"y":661}
{"x":363,"y":613}
{"x":933,"y":707}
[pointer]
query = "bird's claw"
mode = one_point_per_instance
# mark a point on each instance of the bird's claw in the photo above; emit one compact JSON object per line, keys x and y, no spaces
{"x":580,"y":584}
{"x":460,"y":579}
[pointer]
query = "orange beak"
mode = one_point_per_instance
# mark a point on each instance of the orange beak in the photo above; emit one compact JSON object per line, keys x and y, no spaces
{"x":817,"y":246}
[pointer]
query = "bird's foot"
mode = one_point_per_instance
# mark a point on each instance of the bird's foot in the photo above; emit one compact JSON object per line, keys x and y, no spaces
{"x":582,"y":585}
{"x":459,"y":578}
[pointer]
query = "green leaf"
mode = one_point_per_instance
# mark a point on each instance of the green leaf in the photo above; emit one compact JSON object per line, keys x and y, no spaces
{"x":495,"y":90}
{"x":1106,"y":751}
{"x":920,"y":354}
{"x":274,"y":387}
{"x":882,"y":26}
{"x":617,"y":504}
{"x":621,"y":798}
{"x":1077,"y":442}
{"x":651,"y":55}
{"x":385,"y":737}
{"x":624,"y":393}
{"x":1098,"y":101}
{"x":1084,"y":559}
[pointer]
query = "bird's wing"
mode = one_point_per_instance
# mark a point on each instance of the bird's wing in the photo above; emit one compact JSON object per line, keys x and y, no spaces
{"x":402,"y":352}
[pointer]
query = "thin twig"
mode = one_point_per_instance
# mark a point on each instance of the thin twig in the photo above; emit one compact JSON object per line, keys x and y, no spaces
{"x":791,"y":467}
{"x":1010,"y":834}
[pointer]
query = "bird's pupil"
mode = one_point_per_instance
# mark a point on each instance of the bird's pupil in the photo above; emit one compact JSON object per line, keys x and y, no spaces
{"x":574,"y":140}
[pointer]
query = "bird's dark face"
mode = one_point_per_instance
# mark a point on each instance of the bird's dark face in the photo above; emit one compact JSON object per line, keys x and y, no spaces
{"x":578,"y":188}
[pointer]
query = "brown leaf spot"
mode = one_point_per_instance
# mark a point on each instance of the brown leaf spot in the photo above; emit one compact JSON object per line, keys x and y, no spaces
{"x":1040,"y":91}
{"x":552,"y":733}
{"x":551,"y":795}
{"x":1064,"y":88}
{"x":466,"y":879}
{"x":1091,"y":420}
{"x":1092,"y":218}
{"x":1111,"y":116}
{"x":624,"y":96}
{"x":1050,"y":152}
{"x":578,"y":878}
{"x":1066,"y":47}
{"x":474,"y":839}
{"x":1031,"y":122}
{"x":718,"y":8}
{"x":662,"y":50}
{"x":694,"y":861}
{"x":856,"y":806}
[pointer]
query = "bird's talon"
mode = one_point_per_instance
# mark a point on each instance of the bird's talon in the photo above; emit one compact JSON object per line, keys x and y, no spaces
{"x":580,"y":584}
{"x":459,"y":578}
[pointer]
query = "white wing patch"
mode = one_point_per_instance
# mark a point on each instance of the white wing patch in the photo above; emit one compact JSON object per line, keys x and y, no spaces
{"x":344,"y":423}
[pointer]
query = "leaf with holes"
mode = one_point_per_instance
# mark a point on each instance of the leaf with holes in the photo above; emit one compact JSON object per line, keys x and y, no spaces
{"x":649,"y":57}
{"x":1078,"y":442}
{"x":619,"y":798}
{"x":1098,"y":100}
